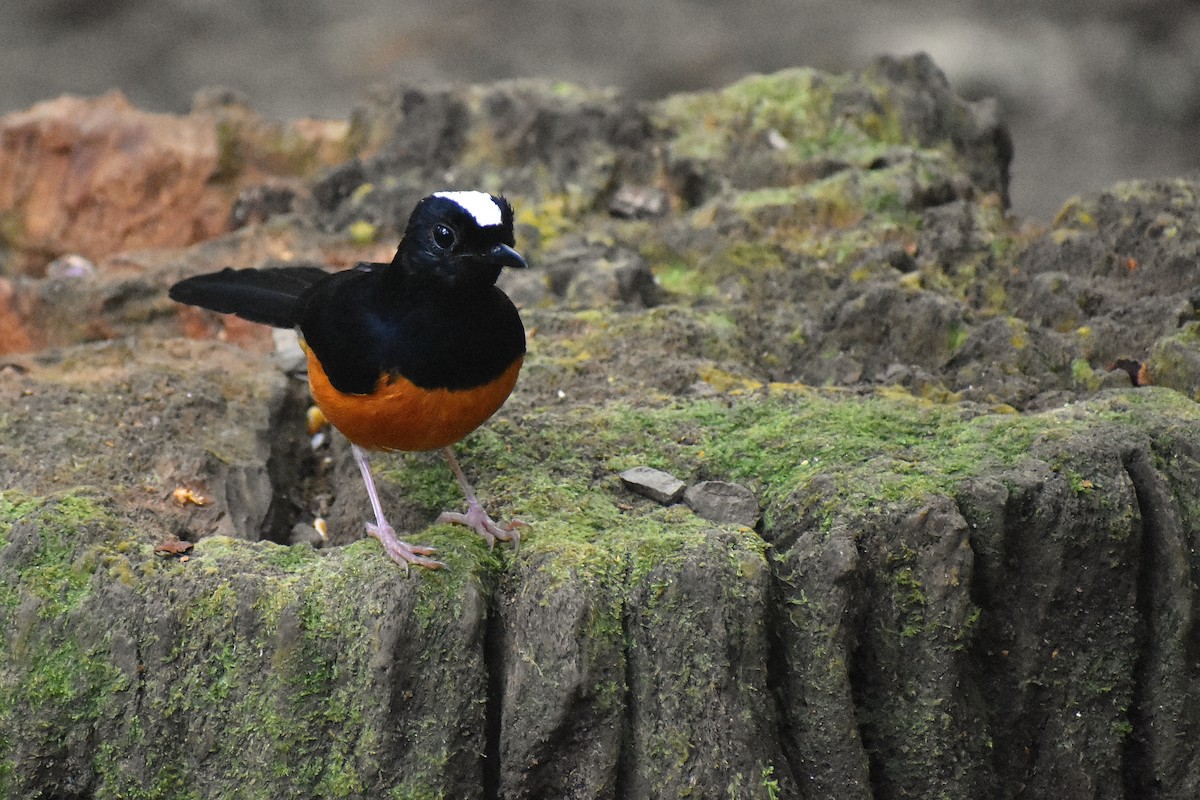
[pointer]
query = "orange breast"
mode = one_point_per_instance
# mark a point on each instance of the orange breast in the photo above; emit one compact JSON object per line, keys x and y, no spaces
{"x":399,"y":415}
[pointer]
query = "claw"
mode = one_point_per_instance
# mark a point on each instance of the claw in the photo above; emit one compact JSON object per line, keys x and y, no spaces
{"x":402,"y":552}
{"x":478,"y":520}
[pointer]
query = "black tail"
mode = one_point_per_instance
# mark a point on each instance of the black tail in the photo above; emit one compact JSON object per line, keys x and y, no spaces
{"x":270,"y":296}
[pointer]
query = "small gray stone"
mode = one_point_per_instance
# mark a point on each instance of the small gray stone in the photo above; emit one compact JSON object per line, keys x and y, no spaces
{"x":527,"y":288}
{"x":289,"y":355}
{"x":639,"y":202}
{"x":718,"y":501}
{"x":303,"y":533}
{"x":71,"y":265}
{"x":662,"y":487}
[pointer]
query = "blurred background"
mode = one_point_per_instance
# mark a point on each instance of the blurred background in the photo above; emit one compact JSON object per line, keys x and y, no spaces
{"x":1095,"y":91}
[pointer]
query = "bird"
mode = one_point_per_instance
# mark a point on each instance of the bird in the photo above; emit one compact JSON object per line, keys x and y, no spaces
{"x":412,"y":354}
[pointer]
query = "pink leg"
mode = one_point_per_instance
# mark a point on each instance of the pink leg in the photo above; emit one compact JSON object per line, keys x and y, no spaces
{"x":400,"y":551}
{"x":476,"y":518}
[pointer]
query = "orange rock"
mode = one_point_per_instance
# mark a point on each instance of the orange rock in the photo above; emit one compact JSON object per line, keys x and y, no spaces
{"x":121,"y":196}
{"x":97,"y":176}
{"x":248,"y":335}
{"x":15,"y":335}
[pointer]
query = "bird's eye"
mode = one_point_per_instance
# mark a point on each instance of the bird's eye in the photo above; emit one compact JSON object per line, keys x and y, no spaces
{"x":443,"y":237}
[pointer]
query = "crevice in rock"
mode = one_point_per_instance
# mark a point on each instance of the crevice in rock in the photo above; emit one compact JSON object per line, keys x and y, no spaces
{"x":626,"y":757}
{"x":1006,"y":515}
{"x":1137,"y":771}
{"x":778,"y":664}
{"x":861,"y":671}
{"x":982,"y":652}
{"x":292,"y":466}
{"x":494,"y":667}
{"x":565,"y":743}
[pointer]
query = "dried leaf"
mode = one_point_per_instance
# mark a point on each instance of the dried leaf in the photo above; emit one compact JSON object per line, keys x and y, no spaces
{"x":172,"y":547}
{"x":185,"y":496}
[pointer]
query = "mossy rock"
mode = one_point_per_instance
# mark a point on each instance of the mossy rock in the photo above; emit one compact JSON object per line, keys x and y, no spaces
{"x":627,"y":648}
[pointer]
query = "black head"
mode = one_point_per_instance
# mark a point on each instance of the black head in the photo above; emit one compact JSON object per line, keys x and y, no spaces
{"x":458,"y":239}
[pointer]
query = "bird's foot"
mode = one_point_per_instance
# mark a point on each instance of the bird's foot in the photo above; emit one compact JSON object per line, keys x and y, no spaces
{"x":402,"y":552}
{"x":478,"y":520}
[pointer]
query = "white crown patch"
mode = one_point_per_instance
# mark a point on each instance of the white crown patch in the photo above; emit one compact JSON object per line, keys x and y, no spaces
{"x":479,"y":205}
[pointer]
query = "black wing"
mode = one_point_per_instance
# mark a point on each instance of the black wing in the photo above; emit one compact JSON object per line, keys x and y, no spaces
{"x":270,"y":296}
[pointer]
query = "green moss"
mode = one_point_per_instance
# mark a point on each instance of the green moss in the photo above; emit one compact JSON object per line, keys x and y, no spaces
{"x":912,"y":593}
{"x":1174,"y":361}
{"x":871,"y":452}
{"x":285,"y":150}
{"x":310,"y":632}
{"x":415,"y":791}
{"x":770,"y":783}
{"x":581,"y":524}
{"x":43,"y":666}
{"x":681,"y":279}
{"x":424,"y":479}
{"x":959,"y":332}
{"x":850,"y":198}
{"x":1083,"y":374}
{"x":794,"y":107}
{"x":548,"y":216}
{"x":230,"y":158}
{"x":362,"y":233}
{"x":59,"y":576}
{"x":12,"y":228}
{"x":271,"y":646}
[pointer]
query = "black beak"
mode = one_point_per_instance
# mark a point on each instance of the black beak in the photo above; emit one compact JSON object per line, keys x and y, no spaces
{"x":505,"y":256}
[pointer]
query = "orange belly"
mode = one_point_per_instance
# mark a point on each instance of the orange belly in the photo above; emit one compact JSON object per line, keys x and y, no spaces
{"x":399,"y":415}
